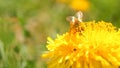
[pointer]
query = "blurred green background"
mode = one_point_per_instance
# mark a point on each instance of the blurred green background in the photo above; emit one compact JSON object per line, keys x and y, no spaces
{"x":25,"y":25}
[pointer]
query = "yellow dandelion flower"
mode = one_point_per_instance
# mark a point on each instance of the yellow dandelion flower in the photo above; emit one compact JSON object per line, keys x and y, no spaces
{"x":88,"y":45}
{"x":80,"y":5}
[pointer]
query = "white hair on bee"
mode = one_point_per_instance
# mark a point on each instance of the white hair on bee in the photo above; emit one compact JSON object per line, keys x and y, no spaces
{"x":73,"y":19}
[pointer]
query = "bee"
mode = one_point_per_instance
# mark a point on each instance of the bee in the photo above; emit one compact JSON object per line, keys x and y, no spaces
{"x":76,"y":19}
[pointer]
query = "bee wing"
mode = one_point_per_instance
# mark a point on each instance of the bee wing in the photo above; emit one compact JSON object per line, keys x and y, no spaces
{"x":71,"y":19}
{"x":79,"y":16}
